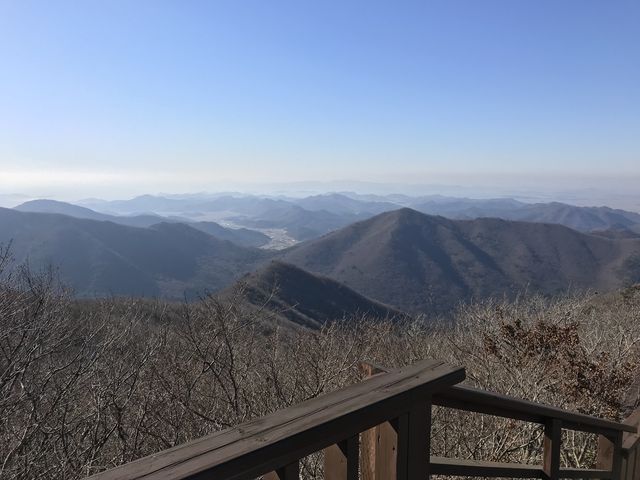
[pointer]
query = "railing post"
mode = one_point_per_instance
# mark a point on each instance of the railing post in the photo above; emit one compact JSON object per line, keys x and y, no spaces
{"x":629,"y":461}
{"x":399,"y":449}
{"x":290,"y":472}
{"x":386,"y":450}
{"x":341,"y":460}
{"x":402,"y":450}
{"x":369,"y":438}
{"x":610,"y":454}
{"x":551,"y":452}
{"x":368,"y":445}
{"x":636,"y":460}
{"x":418,"y":439}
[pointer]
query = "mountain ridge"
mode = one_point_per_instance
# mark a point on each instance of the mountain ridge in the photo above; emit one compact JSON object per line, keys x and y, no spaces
{"x":98,"y":258}
{"x":305,"y":299}
{"x":421,"y":263}
{"x":241,"y":236}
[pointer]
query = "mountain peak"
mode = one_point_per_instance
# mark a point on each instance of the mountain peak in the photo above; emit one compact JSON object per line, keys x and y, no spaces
{"x":423,"y":263}
{"x":307,"y":299}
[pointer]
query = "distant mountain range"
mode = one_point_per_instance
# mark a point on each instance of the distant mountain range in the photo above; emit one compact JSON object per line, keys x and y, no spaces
{"x":585,"y":219}
{"x":249,"y":211}
{"x":401,"y":260}
{"x":305,"y":218}
{"x":63,"y":208}
{"x":241,"y":236}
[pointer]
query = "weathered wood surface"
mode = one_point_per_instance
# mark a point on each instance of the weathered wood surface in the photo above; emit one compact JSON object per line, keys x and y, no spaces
{"x":551,"y":449}
{"x":630,"y":469}
{"x":369,"y":438}
{"x":631,"y":449}
{"x":472,"y":399}
{"x":341,"y":460}
{"x":288,"y":472}
{"x":480,"y":468}
{"x":610,"y":454}
{"x":390,"y":416}
{"x":463,"y":397}
{"x":614,"y":462}
{"x":402,"y":449}
{"x":273,"y":442}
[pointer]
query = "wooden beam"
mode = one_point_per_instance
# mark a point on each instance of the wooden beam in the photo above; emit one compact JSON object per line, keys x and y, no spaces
{"x":616,"y":467}
{"x":341,"y":460}
{"x":605,"y":453}
{"x":369,"y":438}
{"x":479,"y":468}
{"x":402,"y":450}
{"x":386,"y":450}
{"x":418,"y":441}
{"x":290,"y":472}
{"x":262,"y":445}
{"x":368,"y":442}
{"x":471,"y":399}
{"x":610,"y":454}
{"x":580,"y":473}
{"x":551,"y":449}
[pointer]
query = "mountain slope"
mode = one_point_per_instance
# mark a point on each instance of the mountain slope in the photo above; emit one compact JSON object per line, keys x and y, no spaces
{"x":103,"y":258}
{"x":241,"y":236}
{"x":64,"y":208}
{"x":306,"y":299}
{"x":422,"y":263}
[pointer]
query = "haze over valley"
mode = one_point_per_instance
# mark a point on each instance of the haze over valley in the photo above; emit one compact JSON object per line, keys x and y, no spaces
{"x":413,"y":254}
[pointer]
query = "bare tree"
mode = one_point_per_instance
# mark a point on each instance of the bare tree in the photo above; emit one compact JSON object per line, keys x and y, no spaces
{"x":88,"y":385}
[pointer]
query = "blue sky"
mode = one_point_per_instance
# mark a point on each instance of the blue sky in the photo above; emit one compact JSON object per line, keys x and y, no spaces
{"x":180,"y":95}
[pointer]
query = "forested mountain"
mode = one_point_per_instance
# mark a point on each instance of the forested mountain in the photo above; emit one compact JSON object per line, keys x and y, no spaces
{"x":98,"y":258}
{"x":241,"y":236}
{"x":427,"y":263}
{"x":412,"y":261}
{"x":306,"y":299}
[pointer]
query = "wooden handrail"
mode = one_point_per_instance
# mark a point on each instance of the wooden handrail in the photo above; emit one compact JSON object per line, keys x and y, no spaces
{"x":275,"y":443}
{"x":379,"y":429}
{"x":630,"y":469}
{"x":471,"y":399}
{"x":480,"y":468}
{"x":461,"y":397}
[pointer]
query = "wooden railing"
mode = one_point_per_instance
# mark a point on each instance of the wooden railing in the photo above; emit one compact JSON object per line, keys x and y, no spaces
{"x":611,"y":451}
{"x":630,"y":469}
{"x":378,"y":429}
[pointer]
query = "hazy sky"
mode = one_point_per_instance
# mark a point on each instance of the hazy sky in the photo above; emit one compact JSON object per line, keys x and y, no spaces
{"x":110,"y":95}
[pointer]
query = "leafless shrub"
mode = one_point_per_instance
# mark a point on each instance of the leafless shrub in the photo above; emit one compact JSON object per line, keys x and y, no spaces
{"x":86,"y":386}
